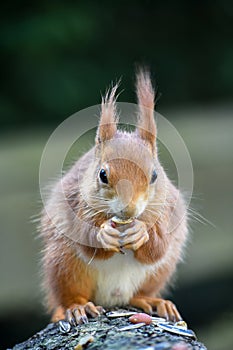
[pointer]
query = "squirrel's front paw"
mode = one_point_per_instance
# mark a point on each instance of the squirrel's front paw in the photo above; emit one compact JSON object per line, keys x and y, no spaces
{"x":77,"y":314}
{"x":135,"y":236}
{"x":108,"y":237}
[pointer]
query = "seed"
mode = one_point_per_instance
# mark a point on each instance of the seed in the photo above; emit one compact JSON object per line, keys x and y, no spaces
{"x":133,"y":326}
{"x":113,"y":314}
{"x":64,"y":326}
{"x":177,"y":330}
{"x":84,"y":341}
{"x":140,"y":317}
{"x":181,"y":324}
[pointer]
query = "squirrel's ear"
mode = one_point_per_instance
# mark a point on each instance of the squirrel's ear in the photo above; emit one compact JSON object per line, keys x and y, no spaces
{"x":146,"y":126}
{"x":108,"y":117}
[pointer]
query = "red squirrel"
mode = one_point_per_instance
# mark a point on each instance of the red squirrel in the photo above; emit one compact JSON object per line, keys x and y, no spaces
{"x":121,"y":207}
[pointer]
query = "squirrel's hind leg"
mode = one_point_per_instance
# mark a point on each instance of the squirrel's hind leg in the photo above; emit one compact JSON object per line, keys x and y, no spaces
{"x":164,"y":308}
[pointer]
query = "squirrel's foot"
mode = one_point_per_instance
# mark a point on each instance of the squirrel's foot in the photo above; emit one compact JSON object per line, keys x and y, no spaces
{"x":108,"y":237}
{"x":135,"y":236}
{"x":164,"y":308}
{"x":76,"y":313}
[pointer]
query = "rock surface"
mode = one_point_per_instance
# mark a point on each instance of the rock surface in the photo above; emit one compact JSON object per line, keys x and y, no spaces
{"x":105,"y":333}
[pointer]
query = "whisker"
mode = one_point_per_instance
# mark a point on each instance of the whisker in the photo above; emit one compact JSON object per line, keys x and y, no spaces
{"x":200,"y":218}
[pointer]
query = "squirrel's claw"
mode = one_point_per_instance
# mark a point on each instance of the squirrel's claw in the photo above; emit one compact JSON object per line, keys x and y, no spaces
{"x":135,"y":245}
{"x":168,"y":310}
{"x":164,"y":308}
{"x":135,"y":236}
{"x":77,"y":314}
{"x":108,"y":237}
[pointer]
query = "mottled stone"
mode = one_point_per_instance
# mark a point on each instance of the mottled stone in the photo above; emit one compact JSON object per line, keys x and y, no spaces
{"x":105,"y":335}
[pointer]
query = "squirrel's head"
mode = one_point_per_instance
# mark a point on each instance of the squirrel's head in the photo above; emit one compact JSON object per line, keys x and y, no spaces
{"x":127,"y":168}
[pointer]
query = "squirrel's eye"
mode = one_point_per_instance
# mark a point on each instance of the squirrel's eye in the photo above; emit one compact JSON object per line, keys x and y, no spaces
{"x":103,"y":176}
{"x":153,"y":177}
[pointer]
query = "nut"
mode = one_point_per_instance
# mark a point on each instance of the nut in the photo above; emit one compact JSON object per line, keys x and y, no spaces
{"x":140,"y":317}
{"x":120,"y":221}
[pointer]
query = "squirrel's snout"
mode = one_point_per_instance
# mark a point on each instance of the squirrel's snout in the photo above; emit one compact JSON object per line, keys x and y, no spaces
{"x":128,"y":204}
{"x":130,"y":210}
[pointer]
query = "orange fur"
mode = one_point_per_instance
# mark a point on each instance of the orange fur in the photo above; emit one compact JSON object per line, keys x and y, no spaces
{"x":146,"y":96}
{"x":82,"y":247}
{"x":108,"y":120}
{"x":68,"y":277}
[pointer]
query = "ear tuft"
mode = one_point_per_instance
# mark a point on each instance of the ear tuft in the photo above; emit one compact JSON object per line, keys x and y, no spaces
{"x":108,"y":117}
{"x":146,"y":95}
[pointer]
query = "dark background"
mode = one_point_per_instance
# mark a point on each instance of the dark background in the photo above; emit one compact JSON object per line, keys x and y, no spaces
{"x":56,"y":58}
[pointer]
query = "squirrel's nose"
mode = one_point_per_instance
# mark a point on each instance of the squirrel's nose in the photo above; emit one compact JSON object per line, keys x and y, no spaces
{"x":128,"y":212}
{"x":129,"y":203}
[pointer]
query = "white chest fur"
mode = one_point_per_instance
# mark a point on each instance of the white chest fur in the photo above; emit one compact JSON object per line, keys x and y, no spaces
{"x":118,"y":278}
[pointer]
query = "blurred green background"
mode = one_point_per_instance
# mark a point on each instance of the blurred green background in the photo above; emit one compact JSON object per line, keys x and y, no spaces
{"x":56,"y":58}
